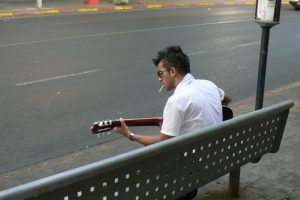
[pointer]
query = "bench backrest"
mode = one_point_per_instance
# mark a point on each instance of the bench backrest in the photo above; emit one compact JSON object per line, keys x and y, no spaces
{"x":168,"y":169}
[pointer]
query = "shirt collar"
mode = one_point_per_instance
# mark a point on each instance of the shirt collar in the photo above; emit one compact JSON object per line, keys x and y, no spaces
{"x":186,"y":79}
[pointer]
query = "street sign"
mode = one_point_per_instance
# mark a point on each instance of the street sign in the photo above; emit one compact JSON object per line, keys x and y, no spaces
{"x":267,"y":11}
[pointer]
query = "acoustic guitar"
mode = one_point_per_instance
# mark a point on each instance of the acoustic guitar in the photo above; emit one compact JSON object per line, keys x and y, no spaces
{"x":107,"y":125}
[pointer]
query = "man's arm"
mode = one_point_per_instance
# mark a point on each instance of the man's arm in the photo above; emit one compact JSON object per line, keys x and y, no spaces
{"x":142,"y":139}
{"x":147,"y":140}
{"x":226,"y":99}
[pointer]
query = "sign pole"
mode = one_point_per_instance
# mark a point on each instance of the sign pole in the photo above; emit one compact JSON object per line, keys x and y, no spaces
{"x":262,"y":67}
{"x":267,"y":15}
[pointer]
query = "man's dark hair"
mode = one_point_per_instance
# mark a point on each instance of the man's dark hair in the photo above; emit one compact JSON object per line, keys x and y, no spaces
{"x":173,"y":56}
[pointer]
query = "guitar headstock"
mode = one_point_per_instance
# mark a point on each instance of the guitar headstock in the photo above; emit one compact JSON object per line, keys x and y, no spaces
{"x":102,"y":126}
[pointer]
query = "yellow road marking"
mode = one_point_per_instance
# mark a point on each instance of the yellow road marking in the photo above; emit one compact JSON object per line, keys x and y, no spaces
{"x":43,"y":12}
{"x":88,"y":10}
{"x":6,"y":14}
{"x":229,"y":3}
{"x":182,"y":4}
{"x":205,"y":4}
{"x":123,"y":7}
{"x":154,"y":6}
{"x":249,"y":3}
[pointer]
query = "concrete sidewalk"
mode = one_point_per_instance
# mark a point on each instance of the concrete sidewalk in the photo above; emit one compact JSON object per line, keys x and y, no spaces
{"x":16,"y":8}
{"x":275,"y":177}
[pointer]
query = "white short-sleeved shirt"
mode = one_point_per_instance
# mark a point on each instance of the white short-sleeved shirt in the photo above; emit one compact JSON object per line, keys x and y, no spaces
{"x":194,"y":104}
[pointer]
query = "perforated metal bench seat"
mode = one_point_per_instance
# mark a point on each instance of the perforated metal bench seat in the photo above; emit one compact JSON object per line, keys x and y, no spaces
{"x":169,"y":169}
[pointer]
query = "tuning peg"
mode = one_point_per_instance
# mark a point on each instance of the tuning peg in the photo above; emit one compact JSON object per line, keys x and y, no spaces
{"x":107,"y":122}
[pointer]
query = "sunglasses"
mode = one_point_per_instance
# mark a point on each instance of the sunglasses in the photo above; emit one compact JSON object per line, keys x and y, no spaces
{"x":160,"y":73}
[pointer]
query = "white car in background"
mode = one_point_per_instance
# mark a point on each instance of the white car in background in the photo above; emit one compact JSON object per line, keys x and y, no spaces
{"x":295,"y":4}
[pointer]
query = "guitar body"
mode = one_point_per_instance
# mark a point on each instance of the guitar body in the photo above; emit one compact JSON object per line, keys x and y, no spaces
{"x":227,"y":113}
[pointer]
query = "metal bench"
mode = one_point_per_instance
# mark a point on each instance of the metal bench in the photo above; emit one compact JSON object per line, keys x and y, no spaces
{"x":169,"y":169}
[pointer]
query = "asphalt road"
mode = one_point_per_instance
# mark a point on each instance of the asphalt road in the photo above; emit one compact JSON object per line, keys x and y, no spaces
{"x":60,"y":73}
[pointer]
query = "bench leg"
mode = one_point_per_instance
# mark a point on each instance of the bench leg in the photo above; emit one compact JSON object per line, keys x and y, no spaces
{"x":234,"y":183}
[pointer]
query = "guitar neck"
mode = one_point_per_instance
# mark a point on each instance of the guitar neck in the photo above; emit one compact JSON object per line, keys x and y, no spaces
{"x":107,"y":125}
{"x":156,"y":121}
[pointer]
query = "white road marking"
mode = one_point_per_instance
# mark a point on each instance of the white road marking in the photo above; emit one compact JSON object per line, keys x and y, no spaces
{"x":196,"y":53}
{"x":240,"y":45}
{"x":119,"y":33}
{"x":248,"y":44}
{"x":57,"y":77}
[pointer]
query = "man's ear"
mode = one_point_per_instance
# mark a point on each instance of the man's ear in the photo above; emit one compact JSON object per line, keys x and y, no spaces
{"x":173,"y":71}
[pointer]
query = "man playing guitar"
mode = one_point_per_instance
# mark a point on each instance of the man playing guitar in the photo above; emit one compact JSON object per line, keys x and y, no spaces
{"x":195,"y":103}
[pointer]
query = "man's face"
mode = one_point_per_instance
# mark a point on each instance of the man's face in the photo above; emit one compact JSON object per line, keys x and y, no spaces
{"x":165,"y":77}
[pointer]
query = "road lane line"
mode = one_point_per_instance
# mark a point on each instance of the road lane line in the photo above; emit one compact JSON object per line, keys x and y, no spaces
{"x":240,"y":45}
{"x":57,"y":77}
{"x":196,"y":53}
{"x":120,"y":32}
{"x":248,"y":44}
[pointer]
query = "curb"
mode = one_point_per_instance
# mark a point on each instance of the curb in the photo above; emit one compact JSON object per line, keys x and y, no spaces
{"x":98,"y":9}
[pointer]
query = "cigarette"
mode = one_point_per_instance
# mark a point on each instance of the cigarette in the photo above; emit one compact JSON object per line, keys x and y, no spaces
{"x":161,"y":88}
